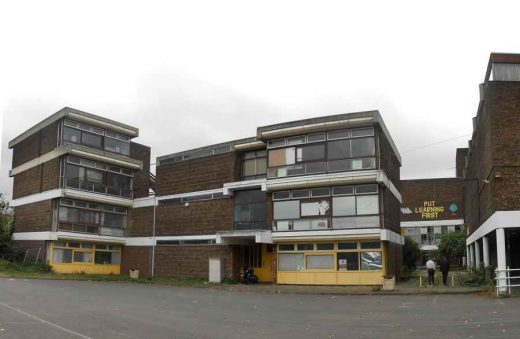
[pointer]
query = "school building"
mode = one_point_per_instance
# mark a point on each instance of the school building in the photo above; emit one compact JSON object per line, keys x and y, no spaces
{"x":314,"y":201}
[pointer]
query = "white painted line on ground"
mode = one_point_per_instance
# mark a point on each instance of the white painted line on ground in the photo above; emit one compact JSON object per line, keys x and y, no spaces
{"x":44,"y":321}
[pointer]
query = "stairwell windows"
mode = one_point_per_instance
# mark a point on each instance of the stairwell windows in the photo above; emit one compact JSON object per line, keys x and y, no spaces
{"x":254,"y":165}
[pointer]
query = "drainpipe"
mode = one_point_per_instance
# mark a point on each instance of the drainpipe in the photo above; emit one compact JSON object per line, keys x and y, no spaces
{"x":153,"y":237}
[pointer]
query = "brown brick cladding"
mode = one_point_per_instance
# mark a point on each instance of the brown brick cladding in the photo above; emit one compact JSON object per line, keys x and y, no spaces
{"x":388,"y":161}
{"x":136,"y":258}
{"x":460,"y":161}
{"x":197,"y":174}
{"x":35,"y":217}
{"x":199,"y":217}
{"x":391,"y":211}
{"x":36,"y":145}
{"x":38,"y":179}
{"x":34,"y":251}
{"x":444,"y":192}
{"x":494,"y":155}
{"x":141,"y":179}
{"x":394,"y":258}
{"x":140,"y":222}
{"x":191,"y":261}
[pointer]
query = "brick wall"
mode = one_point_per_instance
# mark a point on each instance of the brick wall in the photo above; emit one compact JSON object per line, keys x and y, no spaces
{"x":394,"y":258}
{"x":197,"y":175}
{"x":391,"y":211}
{"x":200,"y":217}
{"x":35,"y":145}
{"x":37,"y":179}
{"x":443,"y":191}
{"x":141,"y":181}
{"x":35,"y":217}
{"x":388,"y":161}
{"x":460,"y":161}
{"x":136,"y":257}
{"x":139,"y":222}
{"x":191,"y":261}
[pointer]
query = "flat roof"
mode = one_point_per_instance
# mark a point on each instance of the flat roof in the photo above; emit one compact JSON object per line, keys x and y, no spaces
{"x":81,"y":116}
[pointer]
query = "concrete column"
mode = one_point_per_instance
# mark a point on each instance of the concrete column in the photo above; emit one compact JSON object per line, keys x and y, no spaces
{"x":501,"y":259}
{"x":472,"y":255}
{"x":477,"y":254}
{"x":485,"y":251}
{"x":468,"y":261}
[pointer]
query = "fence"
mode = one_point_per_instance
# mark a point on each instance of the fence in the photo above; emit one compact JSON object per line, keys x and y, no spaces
{"x":503,"y":280}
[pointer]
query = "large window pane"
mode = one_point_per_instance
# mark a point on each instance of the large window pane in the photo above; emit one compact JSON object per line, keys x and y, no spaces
{"x":315,"y":208}
{"x":108,"y":258}
{"x":67,"y":214}
{"x":344,"y":205}
{"x":261,"y":166}
{"x":118,"y":184}
{"x":281,"y":157}
{"x":72,"y":135}
{"x":368,"y":204}
{"x":363,"y":147}
{"x":338,"y":149}
{"x":89,"y":139}
{"x":62,"y":256}
{"x":114,"y":220}
{"x":356,"y":222}
{"x":290,"y":261}
{"x":117,"y":146}
{"x":82,"y":256}
{"x":320,"y":262}
{"x":249,"y":167}
{"x":348,"y":261}
{"x":371,"y":261}
{"x":286,"y":209}
{"x":310,"y":153}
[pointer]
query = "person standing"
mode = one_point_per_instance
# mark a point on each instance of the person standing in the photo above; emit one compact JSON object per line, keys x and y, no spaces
{"x":445,"y":267}
{"x":430,"y":266}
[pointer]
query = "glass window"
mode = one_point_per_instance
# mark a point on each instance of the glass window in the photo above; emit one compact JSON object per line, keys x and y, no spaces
{"x":339,"y":165}
{"x":339,"y":149}
{"x":290,"y":261}
{"x":89,"y":139}
{"x":296,"y":140}
{"x":281,"y":195}
{"x":282,"y":225}
{"x":369,"y":188}
{"x":286,"y":247}
{"x":320,"y":192}
{"x":368,"y":204}
{"x":87,"y":245}
{"x":301,"y":225}
{"x":363,"y":147}
{"x":362,"y":132}
{"x":319,"y":224}
{"x":371,"y":261}
{"x":305,"y":247}
{"x":74,"y":244}
{"x":60,"y":244}
{"x":295,"y":170}
{"x":72,"y":135}
{"x":348,"y":261}
{"x":68,"y":214}
{"x":370,"y":245}
{"x":316,"y":137}
{"x":315,"y":208}
{"x":320,"y":262}
{"x":101,"y":246}
{"x":63,"y":256}
{"x":113,"y":220}
{"x":281,"y":157}
{"x":108,"y":258}
{"x":118,"y":184}
{"x":249,"y":210}
{"x":300,"y":194}
{"x":316,"y":167}
{"x":249,"y":167}
{"x":325,"y":247}
{"x":117,"y":146}
{"x":343,"y":190}
{"x":347,"y":246}
{"x":338,"y":134}
{"x":276,"y":143}
{"x":310,"y":153}
{"x":80,"y":256}
{"x":344,"y":205}
{"x":356,"y":222}
{"x":286,"y":210}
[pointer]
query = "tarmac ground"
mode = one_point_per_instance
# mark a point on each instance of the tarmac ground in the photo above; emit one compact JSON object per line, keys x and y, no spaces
{"x":82,"y":309}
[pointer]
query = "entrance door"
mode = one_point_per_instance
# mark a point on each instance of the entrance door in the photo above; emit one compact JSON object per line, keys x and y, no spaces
{"x":265,"y":271}
{"x":259,"y":257}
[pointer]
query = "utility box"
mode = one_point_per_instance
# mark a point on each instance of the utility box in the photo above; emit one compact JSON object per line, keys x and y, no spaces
{"x":134,"y":274}
{"x":216,"y":270}
{"x":388,"y":283}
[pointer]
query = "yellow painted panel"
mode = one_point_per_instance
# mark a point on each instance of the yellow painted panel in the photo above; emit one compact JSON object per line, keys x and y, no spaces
{"x":330,"y":278}
{"x":86,"y":268}
{"x":265,"y":273}
{"x":326,"y":278}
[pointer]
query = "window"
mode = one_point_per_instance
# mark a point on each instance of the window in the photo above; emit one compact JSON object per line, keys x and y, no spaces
{"x":305,"y":247}
{"x":370,"y":245}
{"x":371,"y":261}
{"x":367,"y":204}
{"x":286,"y":209}
{"x":72,"y":135}
{"x":117,"y":146}
{"x":254,"y":164}
{"x":286,"y":247}
{"x":325,"y":247}
{"x":291,"y":261}
{"x":80,"y":256}
{"x":300,"y":194}
{"x":320,"y":192}
{"x":343,"y":190}
{"x":344,"y":205}
{"x":62,"y":256}
{"x":296,"y":140}
{"x":347,"y":245}
{"x":249,"y":210}
{"x":107,"y":258}
{"x":356,"y":222}
{"x":316,"y":137}
{"x":310,"y":153}
{"x":281,"y":195}
{"x":348,"y":261}
{"x":91,"y":140}
{"x":313,"y":208}
{"x":338,"y":149}
{"x":362,"y":147}
{"x":320,"y":262}
{"x":338,"y":134}
{"x":281,"y":157}
{"x":276,"y":143}
{"x":363,"y":189}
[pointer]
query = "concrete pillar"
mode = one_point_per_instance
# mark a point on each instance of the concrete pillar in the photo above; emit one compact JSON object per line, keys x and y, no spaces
{"x":472,"y":254}
{"x":485,"y":251}
{"x":501,"y":259}
{"x":477,"y":254}
{"x":468,"y":260}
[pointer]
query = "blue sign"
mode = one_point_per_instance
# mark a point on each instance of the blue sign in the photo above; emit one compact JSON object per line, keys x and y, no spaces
{"x":453,"y":208}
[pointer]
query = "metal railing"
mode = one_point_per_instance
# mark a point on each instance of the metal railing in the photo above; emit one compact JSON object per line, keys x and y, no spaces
{"x":503,"y":280}
{"x":98,"y":188}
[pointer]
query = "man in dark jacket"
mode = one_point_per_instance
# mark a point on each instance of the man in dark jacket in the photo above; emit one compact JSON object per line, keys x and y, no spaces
{"x":444,"y":265}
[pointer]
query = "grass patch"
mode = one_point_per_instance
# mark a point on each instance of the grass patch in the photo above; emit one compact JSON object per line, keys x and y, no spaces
{"x":41,"y":271}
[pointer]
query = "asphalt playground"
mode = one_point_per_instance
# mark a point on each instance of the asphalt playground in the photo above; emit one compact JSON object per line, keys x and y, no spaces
{"x":83,"y":309}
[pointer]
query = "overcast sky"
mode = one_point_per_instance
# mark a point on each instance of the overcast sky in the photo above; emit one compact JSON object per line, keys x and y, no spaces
{"x":192,"y":73}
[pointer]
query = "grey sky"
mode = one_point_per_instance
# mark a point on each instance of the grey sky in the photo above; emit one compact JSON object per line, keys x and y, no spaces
{"x":194,"y":73}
